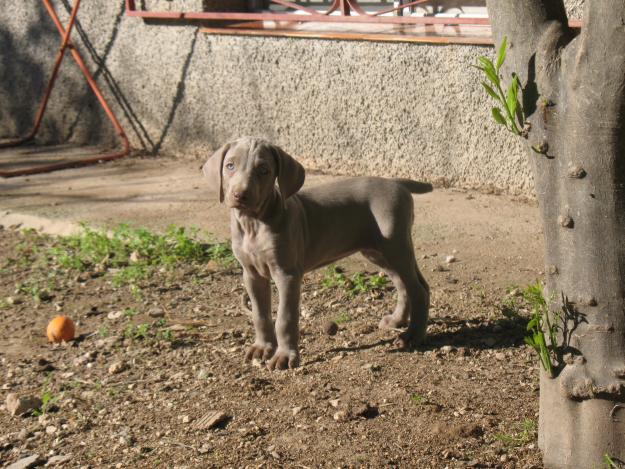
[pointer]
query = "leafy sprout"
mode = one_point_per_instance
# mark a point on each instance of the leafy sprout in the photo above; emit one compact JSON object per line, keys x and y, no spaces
{"x":508,"y":111}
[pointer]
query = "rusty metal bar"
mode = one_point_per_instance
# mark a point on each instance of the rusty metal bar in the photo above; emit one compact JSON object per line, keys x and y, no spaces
{"x":67,"y":44}
{"x":344,"y":6}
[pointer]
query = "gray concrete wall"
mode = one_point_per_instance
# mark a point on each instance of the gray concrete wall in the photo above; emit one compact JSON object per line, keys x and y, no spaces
{"x":388,"y":109}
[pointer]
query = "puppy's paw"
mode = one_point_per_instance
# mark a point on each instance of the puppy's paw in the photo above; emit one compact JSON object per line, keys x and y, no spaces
{"x":391,"y":322}
{"x":260,"y":350}
{"x":409,"y":339}
{"x":284,"y":359}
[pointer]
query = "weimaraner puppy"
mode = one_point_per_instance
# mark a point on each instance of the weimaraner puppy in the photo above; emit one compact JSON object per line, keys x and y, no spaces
{"x":280,"y":233}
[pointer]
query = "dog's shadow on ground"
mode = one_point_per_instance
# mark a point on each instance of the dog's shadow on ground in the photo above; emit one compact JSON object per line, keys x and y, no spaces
{"x":473,"y":334}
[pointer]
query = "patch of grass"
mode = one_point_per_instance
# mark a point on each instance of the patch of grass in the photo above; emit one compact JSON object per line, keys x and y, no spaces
{"x":48,"y":399}
{"x":526,"y":433}
{"x":33,"y":289}
{"x":130,"y":313}
{"x":138,"y":332}
{"x":132,"y":254}
{"x":165,"y":334}
{"x":104,"y":331}
{"x":342,"y":318}
{"x":417,"y":399}
{"x":357,"y":284}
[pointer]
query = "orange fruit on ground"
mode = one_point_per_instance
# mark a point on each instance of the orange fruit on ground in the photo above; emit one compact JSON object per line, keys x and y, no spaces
{"x":60,"y":329}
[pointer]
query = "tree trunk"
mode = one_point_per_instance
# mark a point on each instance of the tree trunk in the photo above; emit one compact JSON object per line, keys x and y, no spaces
{"x":574,"y":97}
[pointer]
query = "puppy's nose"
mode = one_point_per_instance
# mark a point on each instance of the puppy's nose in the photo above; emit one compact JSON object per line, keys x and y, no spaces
{"x":240,"y":196}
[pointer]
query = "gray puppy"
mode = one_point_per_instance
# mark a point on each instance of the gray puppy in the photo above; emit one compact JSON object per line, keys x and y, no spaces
{"x":280,"y":232}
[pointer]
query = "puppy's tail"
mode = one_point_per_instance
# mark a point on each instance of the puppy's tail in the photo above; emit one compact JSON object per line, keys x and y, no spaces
{"x":415,"y":187}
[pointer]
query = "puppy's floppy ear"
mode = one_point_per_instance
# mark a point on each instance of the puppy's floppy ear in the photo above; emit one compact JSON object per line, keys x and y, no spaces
{"x":291,"y":174}
{"x":212,"y":170}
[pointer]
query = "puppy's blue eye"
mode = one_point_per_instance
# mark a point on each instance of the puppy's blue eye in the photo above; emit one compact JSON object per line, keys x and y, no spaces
{"x":230,"y":166}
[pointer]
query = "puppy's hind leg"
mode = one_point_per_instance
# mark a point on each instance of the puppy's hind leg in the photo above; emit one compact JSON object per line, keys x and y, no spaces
{"x":413,"y":294}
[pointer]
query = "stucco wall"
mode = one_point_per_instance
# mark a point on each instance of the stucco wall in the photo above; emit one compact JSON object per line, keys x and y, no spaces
{"x":346,"y":107}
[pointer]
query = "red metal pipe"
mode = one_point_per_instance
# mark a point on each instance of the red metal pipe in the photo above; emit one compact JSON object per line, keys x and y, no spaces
{"x":67,"y":44}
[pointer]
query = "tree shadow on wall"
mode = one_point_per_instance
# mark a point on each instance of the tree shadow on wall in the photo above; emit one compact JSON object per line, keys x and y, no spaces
{"x":148,"y":144}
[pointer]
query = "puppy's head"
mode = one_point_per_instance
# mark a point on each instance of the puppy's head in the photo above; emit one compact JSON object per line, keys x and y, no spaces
{"x":244,"y":173}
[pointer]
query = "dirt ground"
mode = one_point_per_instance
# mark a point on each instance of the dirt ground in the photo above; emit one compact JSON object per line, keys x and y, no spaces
{"x":149,"y":366}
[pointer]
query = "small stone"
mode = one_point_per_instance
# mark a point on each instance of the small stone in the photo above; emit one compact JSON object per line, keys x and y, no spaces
{"x":12,"y":300}
{"x":341,"y":416}
{"x":296,"y":410}
{"x":156,"y":313}
{"x":59,"y":460}
{"x":334,"y":402}
{"x":447,"y":349}
{"x":330,"y":327}
{"x":20,"y":405}
{"x":204,"y":374}
{"x":450,"y":259}
{"x":114,"y":315}
{"x":552,"y":270}
{"x":186,"y":419}
{"x":211,"y":420}
{"x":500,"y":356}
{"x":117,"y":367}
{"x":26,"y":463}
{"x":51,"y":430}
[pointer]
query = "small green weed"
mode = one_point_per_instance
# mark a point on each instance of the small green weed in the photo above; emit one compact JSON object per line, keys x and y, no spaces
{"x":524,"y":435}
{"x":130,"y":313}
{"x":539,"y":325}
{"x":342,"y":318}
{"x":138,"y":332}
{"x":417,"y":399}
{"x":610,"y":463}
{"x":48,"y":399}
{"x":165,"y":334}
{"x":358,"y":283}
{"x":512,"y":117}
{"x":104,"y":331}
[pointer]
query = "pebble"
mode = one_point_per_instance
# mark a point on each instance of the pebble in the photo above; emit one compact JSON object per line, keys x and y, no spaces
{"x":25,"y":463}
{"x":19,"y":405}
{"x":204,"y":374}
{"x":341,"y":416}
{"x":51,"y":430}
{"x":450,"y":259}
{"x":296,"y":410}
{"x":13,"y":300}
{"x":447,"y":349}
{"x":59,"y":460}
{"x":117,"y":367}
{"x":114,"y":315}
{"x":156,"y":313}
{"x":210,"y":420}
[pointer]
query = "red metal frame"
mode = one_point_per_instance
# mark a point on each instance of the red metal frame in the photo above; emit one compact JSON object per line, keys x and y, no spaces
{"x":344,"y":7}
{"x":67,"y":44}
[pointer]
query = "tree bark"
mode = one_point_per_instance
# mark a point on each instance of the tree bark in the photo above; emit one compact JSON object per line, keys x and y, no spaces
{"x":574,"y":97}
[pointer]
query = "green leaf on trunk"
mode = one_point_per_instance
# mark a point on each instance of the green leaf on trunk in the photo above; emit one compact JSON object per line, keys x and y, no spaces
{"x":498,"y":116}
{"x":502,"y":52}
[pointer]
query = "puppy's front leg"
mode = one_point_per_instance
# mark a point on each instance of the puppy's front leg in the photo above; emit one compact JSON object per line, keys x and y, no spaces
{"x":259,"y":291}
{"x":287,"y":328}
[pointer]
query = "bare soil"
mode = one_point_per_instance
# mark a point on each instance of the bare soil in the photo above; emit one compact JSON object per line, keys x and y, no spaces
{"x":468,"y":398}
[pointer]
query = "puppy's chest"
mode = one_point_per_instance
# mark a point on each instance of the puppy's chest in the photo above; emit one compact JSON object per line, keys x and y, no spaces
{"x":254,"y":253}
